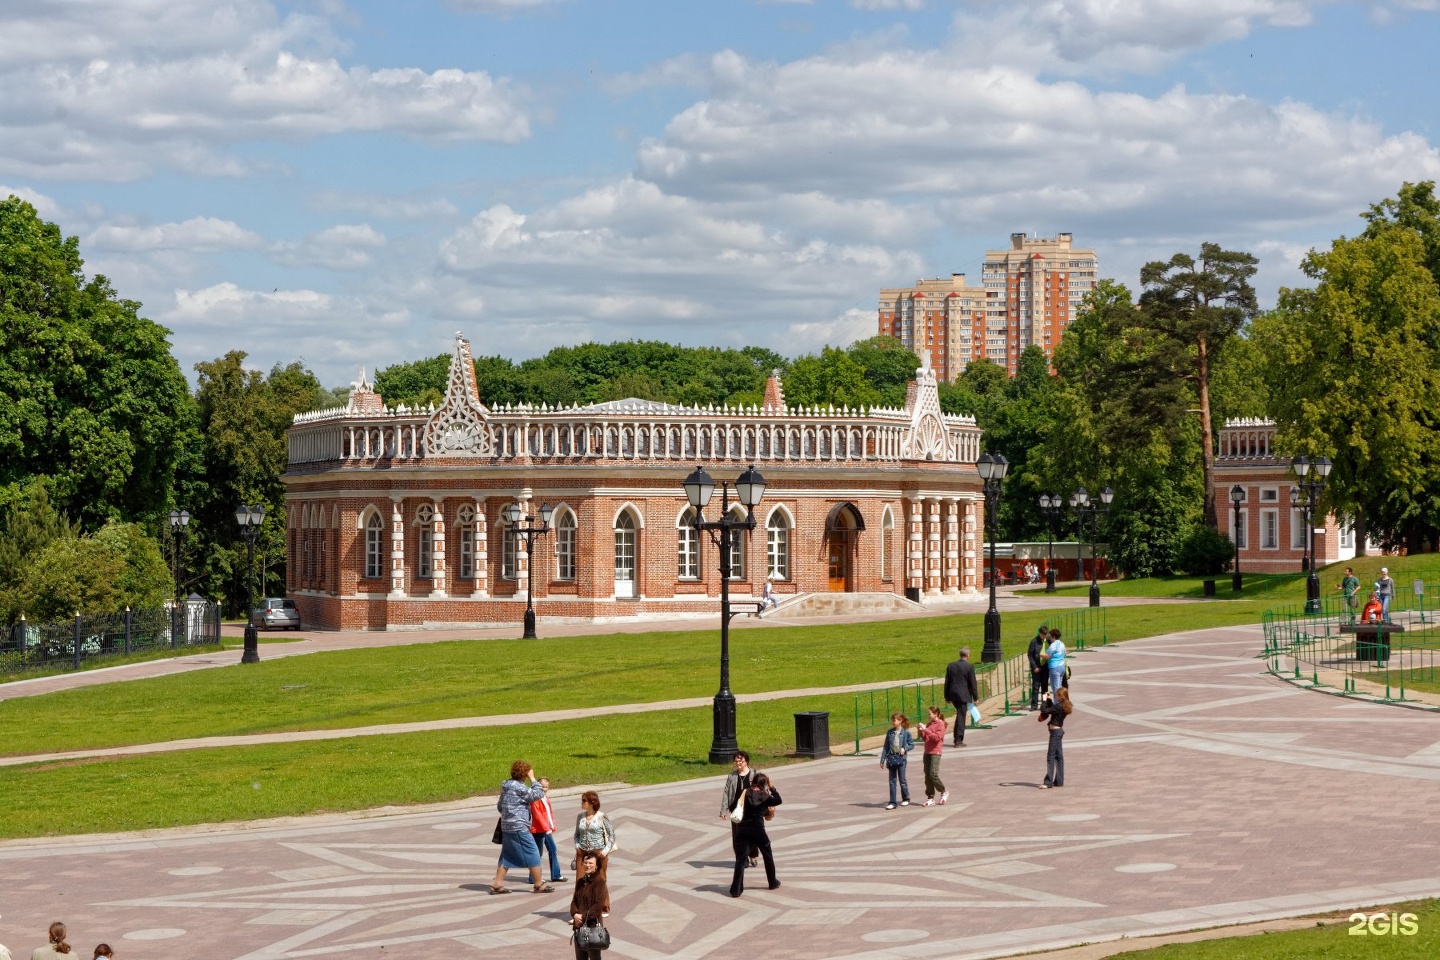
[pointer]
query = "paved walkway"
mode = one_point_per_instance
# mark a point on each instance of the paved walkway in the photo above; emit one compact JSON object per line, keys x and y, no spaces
{"x":1199,"y":792}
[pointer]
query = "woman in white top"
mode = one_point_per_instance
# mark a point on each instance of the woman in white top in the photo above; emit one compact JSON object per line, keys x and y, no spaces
{"x":593,"y":830}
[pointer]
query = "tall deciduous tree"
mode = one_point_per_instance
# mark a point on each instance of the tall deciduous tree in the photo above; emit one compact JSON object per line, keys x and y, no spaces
{"x":1354,"y":372}
{"x":90,"y":397}
{"x":1190,"y":310}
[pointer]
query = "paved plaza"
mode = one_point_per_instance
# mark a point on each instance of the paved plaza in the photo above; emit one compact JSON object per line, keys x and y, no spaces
{"x":1199,"y":792}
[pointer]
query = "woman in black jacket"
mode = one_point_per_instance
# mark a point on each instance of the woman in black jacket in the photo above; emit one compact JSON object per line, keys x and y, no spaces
{"x":1054,"y":710}
{"x":750,"y":833}
{"x":591,"y":903}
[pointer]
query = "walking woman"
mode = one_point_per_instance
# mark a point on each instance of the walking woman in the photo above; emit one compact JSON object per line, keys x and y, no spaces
{"x":57,"y":947}
{"x":1053,"y":711}
{"x":518,"y":850}
{"x":933,"y":733}
{"x":894,"y":755}
{"x":591,"y":903}
{"x":593,"y":830}
{"x":1056,"y":662}
{"x":751,"y":835}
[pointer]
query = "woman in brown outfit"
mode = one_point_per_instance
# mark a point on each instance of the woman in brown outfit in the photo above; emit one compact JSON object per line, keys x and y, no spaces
{"x":591,"y":903}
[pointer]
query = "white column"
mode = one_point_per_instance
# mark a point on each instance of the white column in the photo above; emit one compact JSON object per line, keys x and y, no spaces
{"x":915,"y":570}
{"x":482,"y":550}
{"x":969,"y":571}
{"x":952,"y":546}
{"x":438,"y":580}
{"x":397,"y":547}
{"x":932,"y":547}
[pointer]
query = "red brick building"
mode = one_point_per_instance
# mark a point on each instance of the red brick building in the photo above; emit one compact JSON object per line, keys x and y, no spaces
{"x":395,"y":515}
{"x":1271,"y":533}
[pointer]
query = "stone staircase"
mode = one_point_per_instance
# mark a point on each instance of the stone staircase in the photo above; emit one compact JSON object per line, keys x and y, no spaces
{"x":807,"y":606}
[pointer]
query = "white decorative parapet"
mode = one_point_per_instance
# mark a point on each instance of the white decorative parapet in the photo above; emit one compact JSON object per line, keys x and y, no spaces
{"x":1246,"y":438}
{"x":365,"y":432}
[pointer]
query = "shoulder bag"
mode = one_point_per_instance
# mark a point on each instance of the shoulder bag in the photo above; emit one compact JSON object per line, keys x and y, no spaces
{"x":591,"y":936}
{"x":738,"y":813}
{"x":499,"y":836}
{"x":612,"y":842}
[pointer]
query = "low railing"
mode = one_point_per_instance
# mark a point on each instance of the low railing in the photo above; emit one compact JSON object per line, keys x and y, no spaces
{"x":71,"y":644}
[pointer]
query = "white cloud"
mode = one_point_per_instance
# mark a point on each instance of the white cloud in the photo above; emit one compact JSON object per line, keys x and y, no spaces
{"x":341,"y":247}
{"x":503,"y":7}
{"x":119,"y":103}
{"x":388,"y":208}
{"x":196,"y":235}
{"x":44,"y":205}
{"x":888,"y":4}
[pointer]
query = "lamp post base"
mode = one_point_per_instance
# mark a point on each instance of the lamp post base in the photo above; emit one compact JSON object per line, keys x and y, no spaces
{"x":724,"y":746}
{"x":992,"y":652}
{"x":252,"y":645}
{"x":1094,"y":594}
{"x":1312,"y":593}
{"x":1050,"y":580}
{"x":1235,"y":582}
{"x":529,"y":625}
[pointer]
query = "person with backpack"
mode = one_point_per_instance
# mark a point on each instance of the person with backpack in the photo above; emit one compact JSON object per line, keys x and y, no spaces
{"x":1055,"y":708}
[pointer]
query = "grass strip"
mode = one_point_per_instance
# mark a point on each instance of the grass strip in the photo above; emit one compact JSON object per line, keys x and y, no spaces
{"x":247,"y":783}
{"x":437,"y":681}
{"x":1333,"y":938}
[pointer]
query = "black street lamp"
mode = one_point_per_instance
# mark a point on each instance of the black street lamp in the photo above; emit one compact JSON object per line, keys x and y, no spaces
{"x":749,"y":488}
{"x":1312,"y":476}
{"x":249,"y":519}
{"x":1050,"y":507}
{"x":1085,"y":508}
{"x":179,"y":520}
{"x":1237,"y":497}
{"x":991,"y":468}
{"x":529,"y":530}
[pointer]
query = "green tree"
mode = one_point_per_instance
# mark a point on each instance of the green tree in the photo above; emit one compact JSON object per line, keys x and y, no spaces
{"x":833,"y":378}
{"x":118,"y":566}
{"x":1190,"y":310}
{"x":30,"y":525}
{"x":889,"y":367}
{"x":90,"y":397}
{"x":1353,"y":367}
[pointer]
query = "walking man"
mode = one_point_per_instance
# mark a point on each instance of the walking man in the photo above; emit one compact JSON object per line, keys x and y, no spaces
{"x":1350,"y":586}
{"x":961,"y":690}
{"x":1035,"y":655}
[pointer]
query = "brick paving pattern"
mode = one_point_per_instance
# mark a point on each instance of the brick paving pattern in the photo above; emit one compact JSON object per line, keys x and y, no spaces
{"x":1199,"y":792}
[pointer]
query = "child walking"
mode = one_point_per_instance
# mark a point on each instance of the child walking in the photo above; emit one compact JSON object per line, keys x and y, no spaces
{"x":894,"y":755}
{"x":933,"y":733}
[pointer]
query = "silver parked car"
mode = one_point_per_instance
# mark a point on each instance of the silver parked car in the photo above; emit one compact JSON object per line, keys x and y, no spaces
{"x":276,"y":613}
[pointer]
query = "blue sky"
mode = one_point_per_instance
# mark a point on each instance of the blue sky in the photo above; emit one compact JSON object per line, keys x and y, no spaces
{"x":349,"y":183}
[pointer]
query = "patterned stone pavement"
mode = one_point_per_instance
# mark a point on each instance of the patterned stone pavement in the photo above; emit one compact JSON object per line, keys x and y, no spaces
{"x":1199,"y":792}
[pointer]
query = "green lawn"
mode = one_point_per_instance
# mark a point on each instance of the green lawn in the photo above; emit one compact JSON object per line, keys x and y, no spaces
{"x":457,"y":679}
{"x":1330,"y":939}
{"x":245,"y":783}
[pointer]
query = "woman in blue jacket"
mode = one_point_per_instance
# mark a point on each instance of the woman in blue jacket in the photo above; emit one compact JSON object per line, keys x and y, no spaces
{"x":895,"y":754}
{"x":518,"y":849}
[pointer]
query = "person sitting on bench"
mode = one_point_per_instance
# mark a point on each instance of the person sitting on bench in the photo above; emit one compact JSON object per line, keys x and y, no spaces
{"x":1373,"y":609}
{"x":768,"y":599}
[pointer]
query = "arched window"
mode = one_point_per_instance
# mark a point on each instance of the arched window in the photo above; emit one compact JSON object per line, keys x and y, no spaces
{"x":425,"y":554}
{"x":777,"y":545}
{"x":374,"y":547}
{"x":564,"y":545}
{"x":737,"y":545}
{"x":507,"y":551}
{"x":626,"y":565}
{"x":466,"y":518}
{"x":887,"y":545}
{"x":687,"y":546}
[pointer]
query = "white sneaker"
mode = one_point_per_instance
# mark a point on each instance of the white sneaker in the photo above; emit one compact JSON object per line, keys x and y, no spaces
{"x":889,"y":806}
{"x":904,"y":803}
{"x":929,"y":803}
{"x":943,"y":797}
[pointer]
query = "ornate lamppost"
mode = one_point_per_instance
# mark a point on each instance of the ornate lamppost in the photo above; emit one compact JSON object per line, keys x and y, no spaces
{"x":749,"y":488}
{"x":529,"y":530}
{"x":991,"y":468}
{"x":1312,"y":476}
{"x":1087,"y":509}
{"x":1050,"y":507}
{"x":249,"y":519}
{"x":1237,"y":497}
{"x":179,"y":520}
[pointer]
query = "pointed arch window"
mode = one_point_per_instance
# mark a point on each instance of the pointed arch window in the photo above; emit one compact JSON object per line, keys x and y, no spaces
{"x":425,"y":553}
{"x":374,"y":547}
{"x":565,"y":531}
{"x":777,"y":546}
{"x":466,"y":518}
{"x":687,"y":546}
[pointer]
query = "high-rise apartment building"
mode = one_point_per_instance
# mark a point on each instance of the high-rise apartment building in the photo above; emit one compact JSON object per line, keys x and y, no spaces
{"x":1029,"y":295}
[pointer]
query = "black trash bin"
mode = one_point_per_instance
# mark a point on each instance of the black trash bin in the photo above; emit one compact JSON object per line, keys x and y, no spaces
{"x":913,"y":594}
{"x":1209,"y":588}
{"x":812,"y":734}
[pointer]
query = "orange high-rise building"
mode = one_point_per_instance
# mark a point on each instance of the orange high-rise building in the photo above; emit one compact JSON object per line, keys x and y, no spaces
{"x":1030,"y":293}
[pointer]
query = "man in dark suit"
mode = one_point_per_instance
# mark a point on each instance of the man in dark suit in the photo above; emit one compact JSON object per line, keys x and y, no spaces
{"x":1038,"y":675}
{"x":961,"y":690}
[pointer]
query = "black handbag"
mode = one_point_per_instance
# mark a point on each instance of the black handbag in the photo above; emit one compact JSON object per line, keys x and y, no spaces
{"x":499,"y":834}
{"x":591,"y":936}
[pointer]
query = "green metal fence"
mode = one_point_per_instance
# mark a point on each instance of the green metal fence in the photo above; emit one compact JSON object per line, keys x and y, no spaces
{"x":1080,"y":628}
{"x":1319,"y":646}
